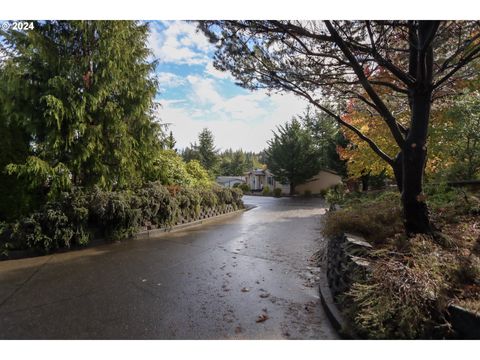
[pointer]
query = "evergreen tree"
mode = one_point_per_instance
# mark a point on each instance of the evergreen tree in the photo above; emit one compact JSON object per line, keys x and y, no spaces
{"x":170,"y":141}
{"x":235,"y":163}
{"x":207,"y":153}
{"x":14,"y":195}
{"x":84,"y":92}
{"x":190,"y":153}
{"x":292,"y":155}
{"x":326,"y":136}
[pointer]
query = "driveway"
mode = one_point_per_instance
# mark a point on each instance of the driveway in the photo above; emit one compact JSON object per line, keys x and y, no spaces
{"x":214,"y":281}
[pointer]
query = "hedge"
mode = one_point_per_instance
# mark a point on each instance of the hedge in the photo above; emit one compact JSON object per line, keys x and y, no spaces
{"x":76,"y":217}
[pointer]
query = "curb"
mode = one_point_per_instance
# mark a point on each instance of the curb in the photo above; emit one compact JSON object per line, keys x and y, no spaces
{"x":334,"y":315}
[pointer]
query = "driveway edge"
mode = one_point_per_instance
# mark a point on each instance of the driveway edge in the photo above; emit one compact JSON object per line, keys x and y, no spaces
{"x":336,"y":318}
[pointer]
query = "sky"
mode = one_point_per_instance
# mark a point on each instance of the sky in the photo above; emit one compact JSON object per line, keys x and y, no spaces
{"x":194,"y":95}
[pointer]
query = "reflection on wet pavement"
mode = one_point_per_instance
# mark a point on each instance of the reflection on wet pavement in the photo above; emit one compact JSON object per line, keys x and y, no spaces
{"x":244,"y":277}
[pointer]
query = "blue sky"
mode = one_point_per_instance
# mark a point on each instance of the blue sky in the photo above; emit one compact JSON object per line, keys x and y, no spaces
{"x":194,"y":95}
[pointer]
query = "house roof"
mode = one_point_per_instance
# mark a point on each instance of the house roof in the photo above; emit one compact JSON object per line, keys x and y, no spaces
{"x":226,"y":179}
{"x":258,"y":172}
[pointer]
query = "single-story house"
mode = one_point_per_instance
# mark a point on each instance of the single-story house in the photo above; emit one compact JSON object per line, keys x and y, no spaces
{"x":323,"y":180}
{"x":258,"y":179}
{"x":229,"y":181}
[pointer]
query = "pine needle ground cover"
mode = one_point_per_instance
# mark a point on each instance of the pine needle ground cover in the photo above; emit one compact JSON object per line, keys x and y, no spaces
{"x":411,"y":281}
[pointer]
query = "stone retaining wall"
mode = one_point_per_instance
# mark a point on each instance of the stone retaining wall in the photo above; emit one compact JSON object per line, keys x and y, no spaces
{"x":186,"y":218}
{"x":345,"y":262}
{"x":205,"y":214}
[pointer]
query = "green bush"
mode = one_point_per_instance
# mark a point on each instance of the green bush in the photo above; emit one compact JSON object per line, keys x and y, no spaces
{"x":266,"y":190}
{"x":114,"y":214}
{"x":189,"y":200}
{"x":224,"y":195}
{"x":277,"y":192}
{"x":335,"y":195}
{"x":75,"y":206}
{"x":244,"y":187}
{"x":157,"y":205}
{"x":44,"y":230}
{"x":237,"y":195}
{"x":61,"y":223}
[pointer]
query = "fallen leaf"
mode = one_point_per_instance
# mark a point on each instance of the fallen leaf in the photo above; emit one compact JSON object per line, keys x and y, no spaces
{"x":262,"y":318}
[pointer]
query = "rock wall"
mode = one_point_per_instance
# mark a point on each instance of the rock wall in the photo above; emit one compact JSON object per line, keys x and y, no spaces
{"x":345,"y":262}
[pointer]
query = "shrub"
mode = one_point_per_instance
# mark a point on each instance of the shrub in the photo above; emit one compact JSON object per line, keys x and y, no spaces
{"x":157,"y":205}
{"x":266,"y":190}
{"x":189,"y":200}
{"x":277,"y":192}
{"x":114,"y":214}
{"x":43,"y":230}
{"x":451,"y":203}
{"x":225,"y":195}
{"x":323,"y":192}
{"x":244,"y":187}
{"x":208,"y":199}
{"x":410,"y":281}
{"x":237,"y":195}
{"x":75,"y":206}
{"x":198,"y":174}
{"x":335,"y":195}
{"x":60,"y":223}
{"x":376,"y":220}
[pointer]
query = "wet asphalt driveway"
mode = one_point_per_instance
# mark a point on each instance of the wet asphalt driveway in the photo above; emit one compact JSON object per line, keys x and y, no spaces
{"x":210,"y":282}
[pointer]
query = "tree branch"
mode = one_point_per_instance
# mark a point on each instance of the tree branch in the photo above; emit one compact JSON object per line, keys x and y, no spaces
{"x":297,"y":90}
{"x":384,"y":112}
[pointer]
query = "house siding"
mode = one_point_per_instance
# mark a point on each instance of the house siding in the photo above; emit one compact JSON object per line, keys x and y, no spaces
{"x":322,"y":181}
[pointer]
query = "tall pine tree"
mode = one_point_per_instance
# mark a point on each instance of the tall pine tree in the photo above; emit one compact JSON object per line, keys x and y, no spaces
{"x":84,"y":91}
{"x":292,"y":155}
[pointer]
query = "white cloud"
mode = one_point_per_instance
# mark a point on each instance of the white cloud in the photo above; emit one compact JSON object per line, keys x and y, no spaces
{"x":203,"y":91}
{"x":179,"y":43}
{"x":169,"y":80}
{"x":243,"y":121}
{"x":210,"y":70}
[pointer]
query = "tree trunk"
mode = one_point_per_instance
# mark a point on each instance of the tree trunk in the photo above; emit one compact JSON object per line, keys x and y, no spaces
{"x":414,"y":156}
{"x":292,"y":188}
{"x":365,"y":181}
